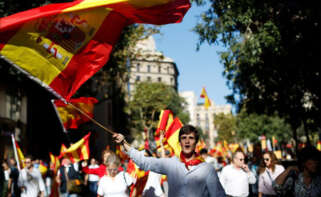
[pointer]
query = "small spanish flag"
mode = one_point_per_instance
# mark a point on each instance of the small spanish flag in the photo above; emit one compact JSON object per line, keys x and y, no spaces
{"x":21,"y":157}
{"x":172,"y":134}
{"x":77,"y":151}
{"x":207,"y":102}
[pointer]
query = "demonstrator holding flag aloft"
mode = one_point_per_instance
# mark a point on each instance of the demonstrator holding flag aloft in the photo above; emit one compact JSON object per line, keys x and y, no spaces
{"x":188,"y":175}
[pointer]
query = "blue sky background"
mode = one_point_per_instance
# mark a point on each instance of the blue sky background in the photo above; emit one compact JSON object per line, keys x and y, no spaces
{"x":196,"y":68}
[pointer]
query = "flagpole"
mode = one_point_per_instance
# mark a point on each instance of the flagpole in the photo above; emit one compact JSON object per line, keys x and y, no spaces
{"x":15,"y":151}
{"x":93,"y":120}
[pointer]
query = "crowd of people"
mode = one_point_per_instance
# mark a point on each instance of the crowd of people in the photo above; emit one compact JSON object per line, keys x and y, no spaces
{"x":190,"y":174}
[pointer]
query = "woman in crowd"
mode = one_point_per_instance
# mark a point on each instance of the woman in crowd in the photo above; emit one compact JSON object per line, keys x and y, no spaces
{"x":268,"y":171}
{"x":114,"y":182}
{"x":304,"y":179}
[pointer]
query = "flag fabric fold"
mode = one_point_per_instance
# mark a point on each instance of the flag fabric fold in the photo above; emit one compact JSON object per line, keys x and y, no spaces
{"x":62,"y":45}
{"x":207,"y":102}
{"x":72,"y":118}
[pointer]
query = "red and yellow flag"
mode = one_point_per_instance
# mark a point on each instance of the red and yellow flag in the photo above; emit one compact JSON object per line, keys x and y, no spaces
{"x":121,"y":154}
{"x":62,"y":45}
{"x":21,"y":157}
{"x":54,"y":162}
{"x":141,"y":177}
{"x":207,"y":102}
{"x":200,"y":145}
{"x":77,"y":151}
{"x":172,"y":134}
{"x":165,"y":120}
{"x":72,"y":118}
{"x":43,"y":168}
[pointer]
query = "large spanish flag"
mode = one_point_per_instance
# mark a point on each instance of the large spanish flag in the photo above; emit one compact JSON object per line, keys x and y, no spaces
{"x":71,"y":117}
{"x":62,"y":45}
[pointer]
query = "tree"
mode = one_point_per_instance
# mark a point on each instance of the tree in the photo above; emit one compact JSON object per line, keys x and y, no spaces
{"x":252,"y":126}
{"x":226,"y":127}
{"x":148,"y":100}
{"x":272,"y":58}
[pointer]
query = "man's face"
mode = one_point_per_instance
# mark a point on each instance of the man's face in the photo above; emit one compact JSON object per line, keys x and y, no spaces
{"x":239,"y":160}
{"x":311,"y":166}
{"x":28,"y":163}
{"x":188,"y":143}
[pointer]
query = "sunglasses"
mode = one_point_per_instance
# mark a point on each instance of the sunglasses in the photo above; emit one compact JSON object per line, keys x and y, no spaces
{"x":112,"y":170}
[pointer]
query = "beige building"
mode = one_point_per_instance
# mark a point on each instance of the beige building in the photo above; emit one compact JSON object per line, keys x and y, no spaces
{"x":151,"y":65}
{"x":204,"y":118}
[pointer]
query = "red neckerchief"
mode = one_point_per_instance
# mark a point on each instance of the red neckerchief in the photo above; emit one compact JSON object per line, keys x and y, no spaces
{"x":197,"y":160}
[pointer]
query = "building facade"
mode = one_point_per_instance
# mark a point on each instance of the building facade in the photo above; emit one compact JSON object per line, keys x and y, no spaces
{"x":202,"y":117}
{"x":151,"y":65}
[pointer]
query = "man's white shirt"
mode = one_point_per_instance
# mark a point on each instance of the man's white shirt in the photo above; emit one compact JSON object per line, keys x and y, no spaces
{"x":200,"y":180}
{"x":31,"y":181}
{"x":236,"y":181}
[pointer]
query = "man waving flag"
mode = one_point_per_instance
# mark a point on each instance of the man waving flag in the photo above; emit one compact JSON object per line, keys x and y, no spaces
{"x":62,"y":45}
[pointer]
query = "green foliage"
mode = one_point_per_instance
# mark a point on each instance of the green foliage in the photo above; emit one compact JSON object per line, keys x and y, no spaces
{"x":272,"y":59}
{"x":149,"y":99}
{"x":226,"y":127}
{"x":252,"y":126}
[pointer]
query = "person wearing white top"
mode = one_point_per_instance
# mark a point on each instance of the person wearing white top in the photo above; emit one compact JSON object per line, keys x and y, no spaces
{"x":269,"y":170}
{"x":30,"y":180}
{"x":236,"y":177}
{"x":153,"y":185}
{"x":92,"y":179}
{"x":187,"y":175}
{"x":114,"y":183}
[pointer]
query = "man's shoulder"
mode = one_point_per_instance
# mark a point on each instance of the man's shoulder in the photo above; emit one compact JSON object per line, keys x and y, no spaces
{"x":227,"y":167}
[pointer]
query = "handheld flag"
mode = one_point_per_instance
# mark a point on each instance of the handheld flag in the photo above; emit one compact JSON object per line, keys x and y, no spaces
{"x":17,"y":153}
{"x":72,"y":118}
{"x":207,"y":102}
{"x":54,"y":162}
{"x":62,"y":45}
{"x":140,"y":176}
{"x":21,"y":157}
{"x":172,"y":134}
{"x":77,"y":151}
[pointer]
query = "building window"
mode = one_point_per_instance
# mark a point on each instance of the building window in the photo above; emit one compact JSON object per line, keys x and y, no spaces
{"x":149,"y":78}
{"x":159,"y":79}
{"x":138,"y":67}
{"x":206,"y":123}
{"x":168,"y":69}
{"x":198,"y":120}
{"x":148,"y":68}
{"x":137,"y":78}
{"x":159,"y":69}
{"x":172,"y":80}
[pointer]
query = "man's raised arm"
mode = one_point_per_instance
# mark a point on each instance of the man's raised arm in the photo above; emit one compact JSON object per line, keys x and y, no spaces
{"x":158,"y":165}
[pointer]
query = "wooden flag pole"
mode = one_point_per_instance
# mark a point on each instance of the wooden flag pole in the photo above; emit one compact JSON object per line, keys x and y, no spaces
{"x":94,"y":121}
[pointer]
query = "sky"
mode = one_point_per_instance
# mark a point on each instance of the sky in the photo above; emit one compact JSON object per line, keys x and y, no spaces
{"x":197,"y":69}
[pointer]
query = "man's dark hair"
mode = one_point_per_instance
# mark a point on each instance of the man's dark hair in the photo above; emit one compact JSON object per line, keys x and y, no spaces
{"x":203,"y":151}
{"x":187,"y":129}
{"x":308,"y":153}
